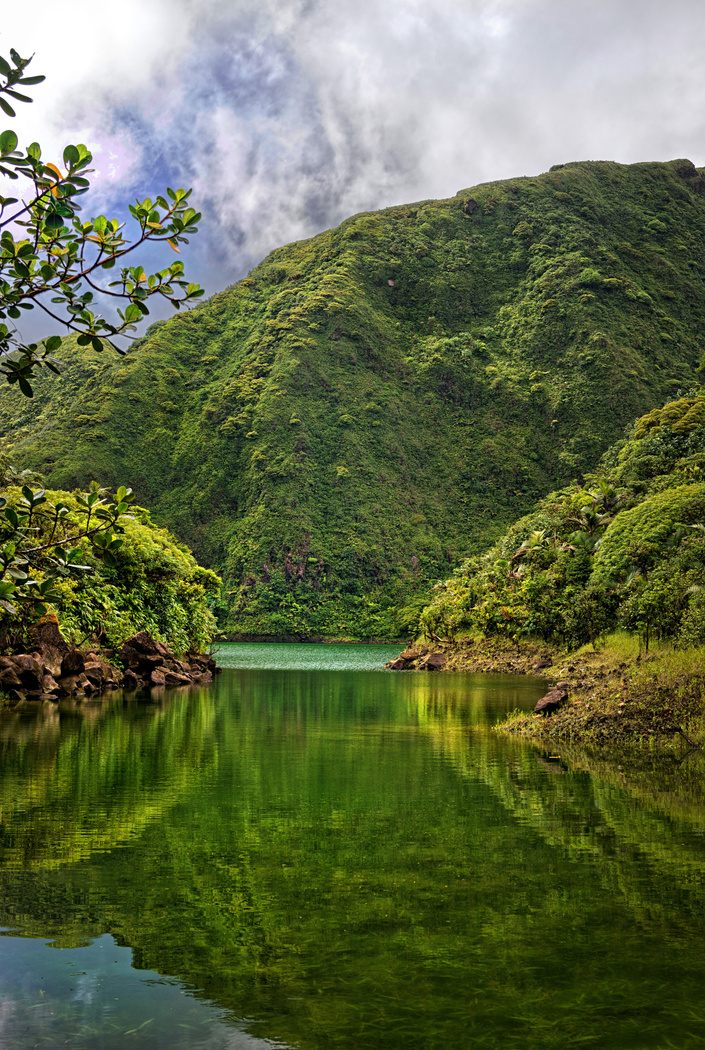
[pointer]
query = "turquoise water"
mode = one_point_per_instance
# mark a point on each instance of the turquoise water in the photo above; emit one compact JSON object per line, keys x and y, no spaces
{"x":316,"y":853}
{"x":305,"y":656}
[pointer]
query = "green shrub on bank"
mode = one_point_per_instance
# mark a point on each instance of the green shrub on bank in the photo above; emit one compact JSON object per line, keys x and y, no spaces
{"x":154,"y":585}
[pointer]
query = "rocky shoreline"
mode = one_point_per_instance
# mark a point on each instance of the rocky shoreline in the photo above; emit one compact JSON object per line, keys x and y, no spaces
{"x":52,"y":669}
{"x":473,"y":657}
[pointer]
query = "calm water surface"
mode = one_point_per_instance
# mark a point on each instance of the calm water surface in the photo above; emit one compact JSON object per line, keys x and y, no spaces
{"x":316,"y":853}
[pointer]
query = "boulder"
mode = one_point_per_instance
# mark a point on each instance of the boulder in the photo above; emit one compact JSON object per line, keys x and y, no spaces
{"x":435,"y":661}
{"x":73,"y":662}
{"x":148,"y":646}
{"x":9,"y":679}
{"x":68,"y":685}
{"x":174,"y":678}
{"x":552,"y":701}
{"x":546,"y":661}
{"x":50,"y":685}
{"x":130,"y":680}
{"x":50,"y":643}
{"x":397,"y":665}
{"x":30,"y":670}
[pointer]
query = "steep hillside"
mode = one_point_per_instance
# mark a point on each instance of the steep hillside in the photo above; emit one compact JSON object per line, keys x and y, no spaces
{"x":368,"y":406}
{"x":626,"y":550}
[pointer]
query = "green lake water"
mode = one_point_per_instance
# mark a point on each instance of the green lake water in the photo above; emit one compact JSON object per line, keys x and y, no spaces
{"x":316,"y":853}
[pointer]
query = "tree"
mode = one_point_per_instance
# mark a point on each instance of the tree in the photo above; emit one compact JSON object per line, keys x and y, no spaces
{"x":52,"y":260}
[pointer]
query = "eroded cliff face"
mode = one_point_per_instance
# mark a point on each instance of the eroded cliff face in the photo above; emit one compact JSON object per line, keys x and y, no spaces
{"x":336,"y":431}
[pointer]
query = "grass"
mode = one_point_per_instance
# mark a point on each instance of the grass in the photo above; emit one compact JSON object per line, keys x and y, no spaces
{"x":621,"y":697}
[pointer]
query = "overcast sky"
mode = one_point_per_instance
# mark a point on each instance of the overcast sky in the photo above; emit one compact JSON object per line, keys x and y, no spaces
{"x":287,"y":116}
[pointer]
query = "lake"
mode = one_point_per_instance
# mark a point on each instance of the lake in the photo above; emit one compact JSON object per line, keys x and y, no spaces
{"x":316,"y":853}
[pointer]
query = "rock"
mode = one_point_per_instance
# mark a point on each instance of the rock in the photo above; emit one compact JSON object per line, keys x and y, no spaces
{"x":409,"y":654}
{"x":130,"y":680}
{"x":157,"y":677}
{"x":148,"y":646}
{"x":100,"y":671}
{"x":68,"y":685}
{"x":50,"y":643}
{"x":435,"y":661}
{"x":73,"y":662}
{"x":173,"y":678}
{"x":9,"y":679}
{"x":397,"y":665}
{"x":30,"y":671}
{"x":552,"y":701}
{"x":545,"y":662}
{"x":50,"y":685}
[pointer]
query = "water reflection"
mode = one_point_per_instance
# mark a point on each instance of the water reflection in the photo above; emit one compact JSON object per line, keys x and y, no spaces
{"x":92,"y":996}
{"x":355,"y":859}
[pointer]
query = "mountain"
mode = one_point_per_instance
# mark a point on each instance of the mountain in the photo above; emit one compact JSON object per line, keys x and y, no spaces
{"x":336,"y":431}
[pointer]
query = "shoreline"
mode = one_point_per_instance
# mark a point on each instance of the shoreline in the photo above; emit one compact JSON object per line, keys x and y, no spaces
{"x":617,"y":697}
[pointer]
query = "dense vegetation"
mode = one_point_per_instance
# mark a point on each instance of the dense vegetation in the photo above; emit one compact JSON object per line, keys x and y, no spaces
{"x":334,"y":432}
{"x":626,"y":548}
{"x":150,"y":582}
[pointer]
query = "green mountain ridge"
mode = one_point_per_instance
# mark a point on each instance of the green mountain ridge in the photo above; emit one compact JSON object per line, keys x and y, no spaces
{"x":333,"y":433}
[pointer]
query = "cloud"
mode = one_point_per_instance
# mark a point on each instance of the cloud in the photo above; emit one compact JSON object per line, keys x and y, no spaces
{"x":289,"y":115}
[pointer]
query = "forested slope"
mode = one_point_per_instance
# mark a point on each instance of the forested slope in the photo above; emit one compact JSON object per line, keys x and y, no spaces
{"x":627,"y":549}
{"x":335,"y":431}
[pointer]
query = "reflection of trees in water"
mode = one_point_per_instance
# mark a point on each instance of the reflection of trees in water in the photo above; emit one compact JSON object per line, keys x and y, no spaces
{"x":641,"y":821}
{"x":79,"y":779}
{"x":334,"y":853}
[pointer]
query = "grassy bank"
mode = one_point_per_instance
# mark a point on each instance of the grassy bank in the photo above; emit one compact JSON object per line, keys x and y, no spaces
{"x":618,"y":696}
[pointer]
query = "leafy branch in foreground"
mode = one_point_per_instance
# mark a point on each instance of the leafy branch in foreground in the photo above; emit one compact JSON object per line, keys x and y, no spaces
{"x":52,"y":260}
{"x":37,"y":539}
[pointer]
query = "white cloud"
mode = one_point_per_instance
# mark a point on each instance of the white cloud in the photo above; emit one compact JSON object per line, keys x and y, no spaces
{"x":288,"y":115}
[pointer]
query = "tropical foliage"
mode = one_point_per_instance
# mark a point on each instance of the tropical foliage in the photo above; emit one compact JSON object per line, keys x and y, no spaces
{"x":105,"y":572}
{"x":101,"y":564}
{"x":52,"y":260}
{"x":626,"y":547}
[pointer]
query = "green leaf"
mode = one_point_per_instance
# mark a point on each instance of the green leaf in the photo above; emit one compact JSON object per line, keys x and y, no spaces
{"x":31,"y":80}
{"x":5,"y":67}
{"x":97,"y":344}
{"x":8,"y":142}
{"x":6,"y":107}
{"x":18,"y":96}
{"x":25,"y":387}
{"x":71,"y":155}
{"x":53,"y":343}
{"x":53,"y":221}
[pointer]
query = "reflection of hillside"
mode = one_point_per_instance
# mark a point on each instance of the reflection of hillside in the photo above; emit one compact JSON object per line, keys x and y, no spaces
{"x":644,"y":830}
{"x":346,"y":871}
{"x":82,"y":782}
